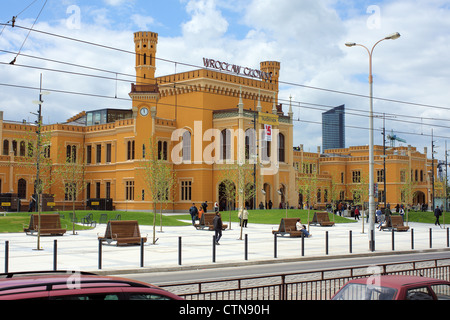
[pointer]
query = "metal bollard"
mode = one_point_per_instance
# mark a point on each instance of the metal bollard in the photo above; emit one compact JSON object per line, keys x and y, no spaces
{"x":303,"y":244}
{"x":214,"y":249}
{"x":55,"y":254}
{"x":393,"y":247}
{"x":326,"y":242}
{"x":142,"y":252}
{"x":6,"y":256}
{"x":99,"y":254}
{"x":350,"y":243}
{"x":431,"y":238}
{"x":412,"y":238}
{"x":179,"y":251}
{"x":275,"y":246}
{"x":246,"y":247}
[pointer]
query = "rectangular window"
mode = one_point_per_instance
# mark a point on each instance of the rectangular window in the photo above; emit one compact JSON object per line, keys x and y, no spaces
{"x":380,"y":175}
{"x":89,"y":154}
{"x":99,"y":153}
{"x":186,"y":190}
{"x":97,"y":190}
{"x":356,"y":176}
{"x":108,"y":190}
{"x":129,"y":190}
{"x":402,"y":176}
{"x":88,"y":190}
{"x":108,"y":152}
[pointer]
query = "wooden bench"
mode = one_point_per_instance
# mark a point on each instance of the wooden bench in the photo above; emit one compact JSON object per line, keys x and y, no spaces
{"x":288,"y":227}
{"x":394,"y":222}
{"x":322,"y":218}
{"x":206,"y":222}
{"x":50,"y":225}
{"x":123,"y":232}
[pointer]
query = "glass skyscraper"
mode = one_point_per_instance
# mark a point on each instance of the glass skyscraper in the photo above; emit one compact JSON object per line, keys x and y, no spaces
{"x":333,"y":128}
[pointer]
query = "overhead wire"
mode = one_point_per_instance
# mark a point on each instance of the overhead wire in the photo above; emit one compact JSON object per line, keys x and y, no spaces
{"x":196,"y":66}
{"x":191,"y":65}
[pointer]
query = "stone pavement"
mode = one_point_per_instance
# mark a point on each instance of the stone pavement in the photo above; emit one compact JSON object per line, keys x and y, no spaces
{"x":81,"y":251}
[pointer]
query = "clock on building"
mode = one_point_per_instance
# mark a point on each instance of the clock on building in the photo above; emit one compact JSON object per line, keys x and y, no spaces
{"x":144,"y":111}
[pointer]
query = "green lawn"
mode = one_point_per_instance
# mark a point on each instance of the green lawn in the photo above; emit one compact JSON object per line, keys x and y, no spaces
{"x":13,"y":222}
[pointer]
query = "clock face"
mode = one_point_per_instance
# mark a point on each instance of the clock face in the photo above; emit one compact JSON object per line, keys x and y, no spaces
{"x":144,"y":111}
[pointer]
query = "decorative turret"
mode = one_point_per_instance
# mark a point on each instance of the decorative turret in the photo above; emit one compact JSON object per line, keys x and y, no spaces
{"x":145,"y":47}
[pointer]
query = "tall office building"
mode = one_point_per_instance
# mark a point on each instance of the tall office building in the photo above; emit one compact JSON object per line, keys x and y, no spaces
{"x":333,"y":128}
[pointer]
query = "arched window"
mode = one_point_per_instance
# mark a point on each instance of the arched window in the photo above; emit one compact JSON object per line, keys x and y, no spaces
{"x":281,"y":147}
{"x":14,"y":147}
{"x":250,"y":144}
{"x":265,"y":147}
{"x":22,"y":189}
{"x":225,"y":144}
{"x":5,"y":147}
{"x":22,"y":149}
{"x":186,"y":146}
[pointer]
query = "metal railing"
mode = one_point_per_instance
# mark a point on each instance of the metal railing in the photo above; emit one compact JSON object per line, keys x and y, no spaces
{"x":311,"y":285}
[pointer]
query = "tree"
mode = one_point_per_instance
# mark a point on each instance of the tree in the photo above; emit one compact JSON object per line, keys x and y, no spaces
{"x":407,"y":193}
{"x":70,"y":173}
{"x":307,"y":180}
{"x":159,"y":179}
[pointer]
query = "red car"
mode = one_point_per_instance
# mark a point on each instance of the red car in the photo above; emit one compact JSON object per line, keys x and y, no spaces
{"x":67,"y":285}
{"x":394,"y":287}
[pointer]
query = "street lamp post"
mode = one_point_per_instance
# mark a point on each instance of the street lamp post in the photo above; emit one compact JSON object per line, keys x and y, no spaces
{"x":371,"y":157}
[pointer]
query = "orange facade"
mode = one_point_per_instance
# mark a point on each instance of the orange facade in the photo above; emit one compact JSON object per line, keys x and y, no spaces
{"x":203,"y":123}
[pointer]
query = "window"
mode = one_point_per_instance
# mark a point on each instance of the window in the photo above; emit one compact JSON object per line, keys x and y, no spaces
{"x":265,"y":147}
{"x":281,"y":147}
{"x":108,"y":152}
{"x":14,"y":147}
{"x":71,"y":153}
{"x":129,"y":190}
{"x":108,"y":190}
{"x":225,"y":144}
{"x":342,"y":177}
{"x":250,"y":144}
{"x":162,"y":150}
{"x":97,"y":190}
{"x":22,"y":148}
{"x":22,"y":189}
{"x":89,"y":154}
{"x":130,"y":150}
{"x":186,"y":190}
{"x":356,"y":176}
{"x":88,"y":190}
{"x":70,"y":191}
{"x":402,"y":176}
{"x":186,"y":146}
{"x":5,"y":147}
{"x":380,"y":175}
{"x":99,"y":153}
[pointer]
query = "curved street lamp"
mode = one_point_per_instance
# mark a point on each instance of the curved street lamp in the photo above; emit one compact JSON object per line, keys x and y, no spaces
{"x":393,"y":36}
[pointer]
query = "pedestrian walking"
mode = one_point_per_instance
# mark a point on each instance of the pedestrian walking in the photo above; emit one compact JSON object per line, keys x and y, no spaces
{"x":217,"y":223}
{"x":194,"y":213}
{"x":357,"y":213}
{"x":243,"y":217}
{"x":437,"y":214}
{"x":402,"y":213}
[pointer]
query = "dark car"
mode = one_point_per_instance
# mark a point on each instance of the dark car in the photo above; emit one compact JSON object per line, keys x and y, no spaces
{"x":68,"y":285}
{"x":394,"y":287}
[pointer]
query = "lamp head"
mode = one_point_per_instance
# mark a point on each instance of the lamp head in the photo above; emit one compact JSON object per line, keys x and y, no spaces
{"x":393,"y":36}
{"x":350,"y":44}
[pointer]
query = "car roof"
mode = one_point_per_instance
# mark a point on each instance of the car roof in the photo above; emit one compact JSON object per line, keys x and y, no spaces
{"x":47,"y":280}
{"x":400,"y":280}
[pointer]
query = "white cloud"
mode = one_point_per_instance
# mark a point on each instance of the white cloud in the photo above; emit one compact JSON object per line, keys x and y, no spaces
{"x":307,"y":37}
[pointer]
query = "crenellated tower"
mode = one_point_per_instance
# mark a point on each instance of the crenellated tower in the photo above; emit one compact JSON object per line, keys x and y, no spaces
{"x":272,"y":67}
{"x":145,"y":48}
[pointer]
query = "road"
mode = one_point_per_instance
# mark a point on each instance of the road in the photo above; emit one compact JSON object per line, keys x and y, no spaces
{"x":175,"y":277}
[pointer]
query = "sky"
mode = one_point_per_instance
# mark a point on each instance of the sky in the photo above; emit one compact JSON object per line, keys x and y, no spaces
{"x":318,"y":72}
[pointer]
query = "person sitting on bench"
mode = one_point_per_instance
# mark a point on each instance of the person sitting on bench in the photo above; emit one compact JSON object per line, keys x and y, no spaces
{"x":302,"y":228}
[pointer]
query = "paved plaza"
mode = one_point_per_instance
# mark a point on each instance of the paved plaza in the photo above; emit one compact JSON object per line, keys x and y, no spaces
{"x":81,"y":251}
